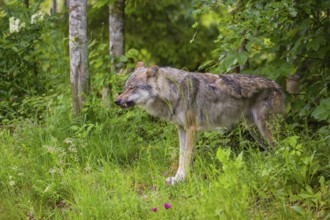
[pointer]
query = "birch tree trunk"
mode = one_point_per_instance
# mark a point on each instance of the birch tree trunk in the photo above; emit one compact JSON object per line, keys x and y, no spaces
{"x":116,"y":33}
{"x":116,"y":42}
{"x":79,"y":76}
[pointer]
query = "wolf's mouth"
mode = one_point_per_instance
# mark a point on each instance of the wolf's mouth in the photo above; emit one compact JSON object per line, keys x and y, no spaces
{"x":126,"y":105}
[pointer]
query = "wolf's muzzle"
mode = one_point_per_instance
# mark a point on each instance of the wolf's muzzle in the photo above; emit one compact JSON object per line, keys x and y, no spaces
{"x":124,"y":104}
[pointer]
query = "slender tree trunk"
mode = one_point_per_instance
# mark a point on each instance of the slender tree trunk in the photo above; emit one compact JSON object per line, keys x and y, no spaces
{"x":116,"y":33}
{"x":79,"y":76}
{"x":241,"y":49}
{"x":116,"y":42}
{"x":66,"y":3}
{"x":54,"y":8}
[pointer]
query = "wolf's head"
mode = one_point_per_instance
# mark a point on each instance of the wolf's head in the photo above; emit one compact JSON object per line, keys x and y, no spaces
{"x":139,"y":88}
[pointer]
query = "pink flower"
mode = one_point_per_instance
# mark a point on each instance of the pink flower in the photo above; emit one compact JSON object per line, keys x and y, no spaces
{"x":154,"y":209}
{"x":167,"y":206}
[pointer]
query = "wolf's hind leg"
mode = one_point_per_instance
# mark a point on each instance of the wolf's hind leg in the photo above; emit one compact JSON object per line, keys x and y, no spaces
{"x":256,"y":136}
{"x":252,"y":128}
{"x":260,"y":117}
{"x":264,"y":113}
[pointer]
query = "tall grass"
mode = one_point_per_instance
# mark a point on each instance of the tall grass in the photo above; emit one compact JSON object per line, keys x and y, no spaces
{"x":112,"y":164}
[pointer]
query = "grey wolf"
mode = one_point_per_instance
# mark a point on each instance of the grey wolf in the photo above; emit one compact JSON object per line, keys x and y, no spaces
{"x":203,"y":101}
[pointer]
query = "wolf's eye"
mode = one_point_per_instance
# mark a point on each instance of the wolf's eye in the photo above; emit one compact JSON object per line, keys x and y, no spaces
{"x":132,"y":87}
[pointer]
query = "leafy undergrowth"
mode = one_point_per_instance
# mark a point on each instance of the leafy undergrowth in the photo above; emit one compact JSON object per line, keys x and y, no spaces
{"x":112,"y":164}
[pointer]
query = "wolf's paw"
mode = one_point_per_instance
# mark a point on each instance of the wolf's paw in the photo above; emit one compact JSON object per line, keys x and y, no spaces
{"x":174,"y":180}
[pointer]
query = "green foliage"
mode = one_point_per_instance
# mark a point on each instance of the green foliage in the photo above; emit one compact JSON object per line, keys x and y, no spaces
{"x":166,"y":26}
{"x":29,"y":107}
{"x":281,"y":38}
{"x":33,"y":60}
{"x":157,"y":33}
{"x":99,"y":65}
{"x":112,"y":164}
{"x":322,"y":114}
{"x":28,"y":44}
{"x":285,"y":30}
{"x":322,"y":111}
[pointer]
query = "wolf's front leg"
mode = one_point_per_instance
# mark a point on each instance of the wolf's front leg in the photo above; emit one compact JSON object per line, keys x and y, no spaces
{"x":186,"y":139}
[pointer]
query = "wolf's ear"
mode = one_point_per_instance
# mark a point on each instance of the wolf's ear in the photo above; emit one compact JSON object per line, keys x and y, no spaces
{"x":139,"y":64}
{"x":152,"y":71}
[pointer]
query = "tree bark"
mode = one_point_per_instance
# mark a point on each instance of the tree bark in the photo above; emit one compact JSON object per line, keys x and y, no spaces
{"x":116,"y":42}
{"x":116,"y":33}
{"x":54,"y":8}
{"x":79,"y":75}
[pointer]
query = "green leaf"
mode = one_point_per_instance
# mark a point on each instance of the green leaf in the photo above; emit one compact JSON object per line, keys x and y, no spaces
{"x":195,"y":24}
{"x":223,"y":155}
{"x":239,"y":161}
{"x":206,"y":64}
{"x":313,"y":44}
{"x":316,"y":43}
{"x":230,"y":59}
{"x":322,"y":112}
{"x":75,"y":128}
{"x":132,"y":53}
{"x":293,"y":12}
{"x":291,"y":141}
{"x":242,"y":57}
{"x":297,"y":209}
{"x":122,"y":59}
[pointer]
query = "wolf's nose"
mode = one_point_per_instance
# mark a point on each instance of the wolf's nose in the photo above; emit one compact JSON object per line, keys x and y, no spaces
{"x":117,"y":101}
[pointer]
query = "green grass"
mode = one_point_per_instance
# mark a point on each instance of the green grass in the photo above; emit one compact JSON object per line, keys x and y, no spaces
{"x":112,"y":164}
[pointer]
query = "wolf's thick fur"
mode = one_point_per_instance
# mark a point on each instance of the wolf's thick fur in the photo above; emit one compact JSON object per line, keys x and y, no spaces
{"x":202,"y":101}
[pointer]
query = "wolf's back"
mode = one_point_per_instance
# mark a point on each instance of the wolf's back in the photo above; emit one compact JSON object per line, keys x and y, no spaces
{"x":246,"y":86}
{"x":259,"y":89}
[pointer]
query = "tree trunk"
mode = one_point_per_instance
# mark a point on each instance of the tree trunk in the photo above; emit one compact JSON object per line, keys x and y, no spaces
{"x":54,"y":8}
{"x":116,"y":42}
{"x":66,"y":3}
{"x":241,"y":49}
{"x":116,"y":33}
{"x":79,"y":76}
